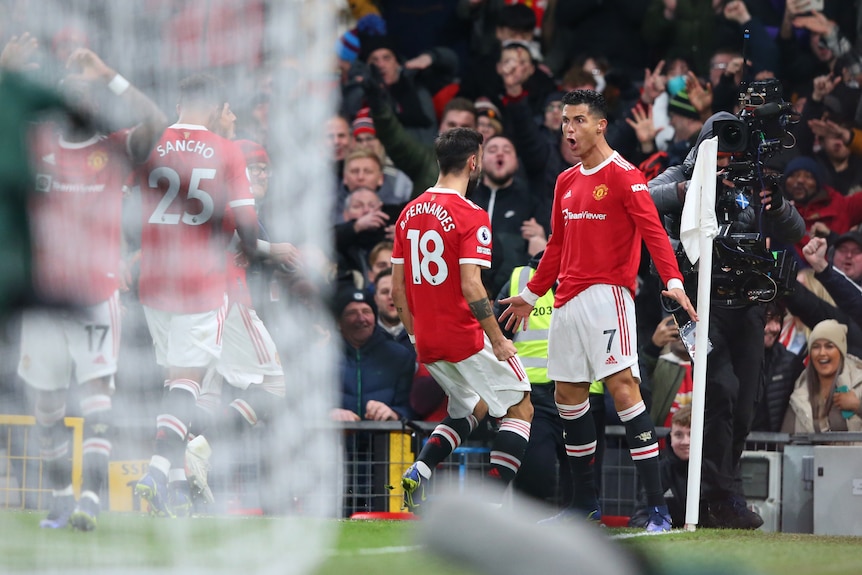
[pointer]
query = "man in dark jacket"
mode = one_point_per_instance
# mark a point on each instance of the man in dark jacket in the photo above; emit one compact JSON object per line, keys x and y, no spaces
{"x":519,"y":217}
{"x":376,"y":371}
{"x":780,"y":370}
{"x":736,"y":332}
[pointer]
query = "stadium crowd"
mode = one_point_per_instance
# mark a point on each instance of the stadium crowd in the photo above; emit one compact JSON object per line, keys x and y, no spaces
{"x":664,"y":69}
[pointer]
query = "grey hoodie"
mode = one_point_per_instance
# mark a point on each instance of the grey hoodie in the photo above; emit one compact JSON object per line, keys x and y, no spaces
{"x":784,"y":225}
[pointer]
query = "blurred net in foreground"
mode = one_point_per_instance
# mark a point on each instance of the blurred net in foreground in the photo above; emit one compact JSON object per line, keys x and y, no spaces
{"x":275,"y":60}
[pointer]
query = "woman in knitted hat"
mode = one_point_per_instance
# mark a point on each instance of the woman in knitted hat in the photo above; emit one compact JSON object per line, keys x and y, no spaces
{"x":827,"y":395}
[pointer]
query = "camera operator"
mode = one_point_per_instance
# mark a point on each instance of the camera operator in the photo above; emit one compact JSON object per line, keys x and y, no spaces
{"x":736,"y":332}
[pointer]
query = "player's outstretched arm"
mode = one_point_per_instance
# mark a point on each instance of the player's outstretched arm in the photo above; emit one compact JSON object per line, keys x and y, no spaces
{"x":678,"y":295}
{"x":517,"y":314}
{"x":153,"y":121}
{"x":399,"y":297}
{"x":477,"y":298}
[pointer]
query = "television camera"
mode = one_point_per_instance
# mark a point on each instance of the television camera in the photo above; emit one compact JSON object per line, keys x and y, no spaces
{"x":745,"y":271}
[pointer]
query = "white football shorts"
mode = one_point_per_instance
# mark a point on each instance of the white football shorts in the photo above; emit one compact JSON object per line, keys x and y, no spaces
{"x":500,"y":383}
{"x":248,"y":351}
{"x":57,"y":344}
{"x":593,"y":336}
{"x":186,"y":340}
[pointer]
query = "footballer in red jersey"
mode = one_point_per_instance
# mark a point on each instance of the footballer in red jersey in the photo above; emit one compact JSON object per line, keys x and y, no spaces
{"x":195,"y":194}
{"x":75,"y":214}
{"x":432,"y":249}
{"x":191,"y":179}
{"x":442,"y":242}
{"x":601,"y":211}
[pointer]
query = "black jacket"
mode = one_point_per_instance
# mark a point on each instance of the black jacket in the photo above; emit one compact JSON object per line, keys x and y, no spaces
{"x":780,"y":370}
{"x":811,"y":310}
{"x":511,"y":207}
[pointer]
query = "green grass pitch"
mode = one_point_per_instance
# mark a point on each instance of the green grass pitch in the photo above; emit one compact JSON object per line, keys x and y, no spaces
{"x":380,"y":547}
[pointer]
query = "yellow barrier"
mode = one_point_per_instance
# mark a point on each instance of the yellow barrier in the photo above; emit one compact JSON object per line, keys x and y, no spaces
{"x":13,"y":489}
{"x":122,"y":476}
{"x":400,"y":456}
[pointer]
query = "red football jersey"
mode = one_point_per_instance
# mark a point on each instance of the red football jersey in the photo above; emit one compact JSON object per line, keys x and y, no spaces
{"x":75,"y":215}
{"x":597,"y":222}
{"x":434,"y":235}
{"x":190,"y":180}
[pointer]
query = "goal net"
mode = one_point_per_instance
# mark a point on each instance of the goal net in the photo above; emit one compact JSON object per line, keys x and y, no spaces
{"x":274,"y":473}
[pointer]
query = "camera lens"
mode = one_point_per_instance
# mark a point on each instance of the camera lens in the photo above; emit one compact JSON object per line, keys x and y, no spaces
{"x":732,"y":135}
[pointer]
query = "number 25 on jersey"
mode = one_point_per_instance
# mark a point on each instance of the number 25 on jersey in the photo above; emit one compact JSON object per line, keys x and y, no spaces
{"x":160,"y":214}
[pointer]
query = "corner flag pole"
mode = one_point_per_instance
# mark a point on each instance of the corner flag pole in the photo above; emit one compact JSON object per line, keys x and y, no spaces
{"x":699,"y":227}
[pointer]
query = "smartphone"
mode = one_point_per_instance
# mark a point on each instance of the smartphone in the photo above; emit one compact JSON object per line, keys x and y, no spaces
{"x":846,"y":414}
{"x":687,"y":333}
{"x":807,"y":6}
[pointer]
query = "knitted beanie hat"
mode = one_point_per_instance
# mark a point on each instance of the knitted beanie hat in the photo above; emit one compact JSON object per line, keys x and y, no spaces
{"x":804,"y":163}
{"x":680,"y":104}
{"x":347,"y":47}
{"x":363,"y":124}
{"x":830,"y":330}
{"x":345,"y":297}
{"x":254,"y":153}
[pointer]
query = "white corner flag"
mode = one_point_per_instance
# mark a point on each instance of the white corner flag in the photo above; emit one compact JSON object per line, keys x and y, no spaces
{"x":698,"y":212}
{"x":698,"y":228}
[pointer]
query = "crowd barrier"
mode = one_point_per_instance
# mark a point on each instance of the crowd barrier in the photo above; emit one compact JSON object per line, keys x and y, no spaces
{"x":801,"y":483}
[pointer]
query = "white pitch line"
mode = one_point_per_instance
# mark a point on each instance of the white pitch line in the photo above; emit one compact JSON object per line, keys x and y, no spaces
{"x":643,"y":534}
{"x":393,"y":550}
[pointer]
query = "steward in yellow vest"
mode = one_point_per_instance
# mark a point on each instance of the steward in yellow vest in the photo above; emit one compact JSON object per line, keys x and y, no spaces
{"x":546,"y":451}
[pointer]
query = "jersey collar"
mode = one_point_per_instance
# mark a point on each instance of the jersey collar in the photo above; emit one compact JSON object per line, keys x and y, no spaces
{"x":189,"y":127}
{"x":444,"y":191}
{"x":79,"y":145}
{"x":592,"y":171}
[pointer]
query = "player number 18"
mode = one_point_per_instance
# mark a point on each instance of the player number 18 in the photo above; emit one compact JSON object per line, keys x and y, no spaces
{"x":426,"y":250}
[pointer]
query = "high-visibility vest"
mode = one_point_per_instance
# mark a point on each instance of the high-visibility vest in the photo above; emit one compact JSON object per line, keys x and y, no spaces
{"x":532,"y":343}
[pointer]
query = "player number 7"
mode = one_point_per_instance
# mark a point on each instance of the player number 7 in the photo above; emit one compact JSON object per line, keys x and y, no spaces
{"x":612,"y":333}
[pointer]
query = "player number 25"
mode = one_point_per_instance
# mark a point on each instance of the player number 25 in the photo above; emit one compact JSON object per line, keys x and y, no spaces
{"x":425,"y":250}
{"x":160,"y":215}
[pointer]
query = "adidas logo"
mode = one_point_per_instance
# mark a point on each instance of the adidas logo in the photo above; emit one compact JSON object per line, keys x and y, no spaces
{"x":100,"y":360}
{"x":568,"y":195}
{"x":610,"y":360}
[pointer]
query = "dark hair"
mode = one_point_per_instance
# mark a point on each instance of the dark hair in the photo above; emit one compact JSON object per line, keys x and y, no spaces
{"x":459,"y":104}
{"x":202,"y":89}
{"x":594,"y":101}
{"x":454,"y":147}
{"x":518,"y":17}
{"x":382,"y":274}
{"x":513,"y":45}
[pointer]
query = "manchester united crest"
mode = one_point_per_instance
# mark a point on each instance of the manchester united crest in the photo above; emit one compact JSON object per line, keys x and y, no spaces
{"x":97,"y":161}
{"x":600,"y":192}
